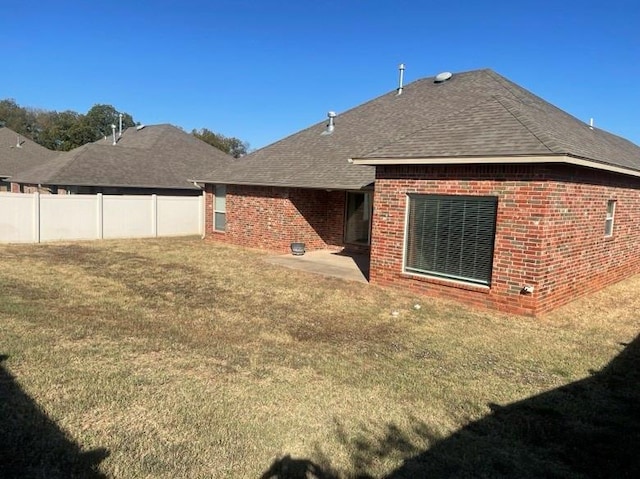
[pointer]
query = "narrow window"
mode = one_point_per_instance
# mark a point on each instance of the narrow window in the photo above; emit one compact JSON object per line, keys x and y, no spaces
{"x":451,"y":237}
{"x":220,"y":208}
{"x":608,"y":222}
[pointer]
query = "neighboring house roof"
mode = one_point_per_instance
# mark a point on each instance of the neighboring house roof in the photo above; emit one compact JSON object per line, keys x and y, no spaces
{"x":18,"y":153}
{"x":157,"y":156}
{"x":473,"y":114}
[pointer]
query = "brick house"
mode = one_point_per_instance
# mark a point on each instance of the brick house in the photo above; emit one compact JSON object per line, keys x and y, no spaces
{"x":153,"y":159}
{"x":484,"y":193}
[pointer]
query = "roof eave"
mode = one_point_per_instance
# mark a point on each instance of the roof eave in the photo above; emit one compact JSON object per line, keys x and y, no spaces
{"x":107,"y":185}
{"x":505,"y":159}
{"x":288,"y":185}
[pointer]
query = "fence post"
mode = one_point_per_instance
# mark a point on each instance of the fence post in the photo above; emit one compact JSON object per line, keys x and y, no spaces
{"x":36,"y":217}
{"x":154,"y":215}
{"x":100,"y":206}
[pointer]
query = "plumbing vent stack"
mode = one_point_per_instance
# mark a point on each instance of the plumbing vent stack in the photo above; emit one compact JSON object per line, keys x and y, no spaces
{"x":401,"y":79}
{"x":120,"y":123}
{"x":113,"y":130}
{"x":591,"y":124}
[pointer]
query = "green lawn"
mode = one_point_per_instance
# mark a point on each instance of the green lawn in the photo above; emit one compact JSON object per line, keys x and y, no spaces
{"x":181,"y":358}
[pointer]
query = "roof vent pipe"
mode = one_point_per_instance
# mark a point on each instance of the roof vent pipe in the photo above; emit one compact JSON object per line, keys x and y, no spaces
{"x":18,"y":143}
{"x":113,"y":130}
{"x":401,"y":79}
{"x":331,"y":125}
{"x":120,"y":124}
{"x":591,"y":124}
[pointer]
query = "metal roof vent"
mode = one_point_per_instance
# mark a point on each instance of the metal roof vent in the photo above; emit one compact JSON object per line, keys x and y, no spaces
{"x":331,"y":125}
{"x":401,"y":79}
{"x":442,"y":77}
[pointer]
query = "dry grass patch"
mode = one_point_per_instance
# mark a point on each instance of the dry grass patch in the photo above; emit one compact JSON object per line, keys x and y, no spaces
{"x":180,"y":358}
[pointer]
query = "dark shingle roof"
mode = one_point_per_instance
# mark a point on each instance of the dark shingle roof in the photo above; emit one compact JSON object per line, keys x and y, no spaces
{"x":510,"y":121}
{"x":158,"y":156}
{"x":477,"y":113}
{"x":14,"y":159}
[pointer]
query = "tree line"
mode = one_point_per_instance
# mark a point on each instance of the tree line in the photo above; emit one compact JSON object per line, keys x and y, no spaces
{"x":66,"y":130}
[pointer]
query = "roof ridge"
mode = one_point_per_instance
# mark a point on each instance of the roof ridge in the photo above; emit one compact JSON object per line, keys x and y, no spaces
{"x":361,"y":105}
{"x":528,"y":123}
{"x":427,"y":126}
{"x":69,"y":161}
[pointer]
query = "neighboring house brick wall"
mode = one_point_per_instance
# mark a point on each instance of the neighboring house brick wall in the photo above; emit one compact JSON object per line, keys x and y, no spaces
{"x":272,"y":218}
{"x":549,"y":232}
{"x":30,"y":188}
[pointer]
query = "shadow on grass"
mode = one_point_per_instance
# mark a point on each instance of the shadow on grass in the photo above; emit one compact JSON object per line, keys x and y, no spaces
{"x":32,"y":445}
{"x":589,"y":429}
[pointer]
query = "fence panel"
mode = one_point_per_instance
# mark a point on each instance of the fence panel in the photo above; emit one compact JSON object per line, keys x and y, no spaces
{"x":179,"y":215}
{"x":35,"y":217}
{"x":68,"y":217}
{"x":17,"y":218}
{"x":128,"y":216}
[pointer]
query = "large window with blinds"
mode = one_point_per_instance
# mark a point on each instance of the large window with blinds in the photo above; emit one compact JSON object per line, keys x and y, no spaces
{"x":451,"y":236}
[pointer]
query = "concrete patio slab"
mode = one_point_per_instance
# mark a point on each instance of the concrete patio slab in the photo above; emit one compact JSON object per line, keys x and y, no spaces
{"x":352,"y":267}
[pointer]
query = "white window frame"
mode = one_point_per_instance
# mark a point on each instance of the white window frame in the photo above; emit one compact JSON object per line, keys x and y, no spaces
{"x":219,"y":206}
{"x":609,"y":219}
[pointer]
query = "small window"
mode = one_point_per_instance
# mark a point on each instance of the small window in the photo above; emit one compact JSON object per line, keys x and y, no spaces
{"x":608,"y":222}
{"x":220,"y":208}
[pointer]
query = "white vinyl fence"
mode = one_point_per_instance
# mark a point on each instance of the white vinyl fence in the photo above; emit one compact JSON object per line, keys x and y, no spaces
{"x":35,"y":218}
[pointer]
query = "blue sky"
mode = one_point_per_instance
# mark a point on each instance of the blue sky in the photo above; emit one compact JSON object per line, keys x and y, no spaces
{"x":262,"y":70}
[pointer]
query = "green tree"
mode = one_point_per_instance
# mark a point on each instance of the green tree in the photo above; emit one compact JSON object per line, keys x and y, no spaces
{"x":100,"y":118}
{"x":233,"y":146}
{"x":17,"y":118}
{"x":61,"y":130}
{"x":64,"y":131}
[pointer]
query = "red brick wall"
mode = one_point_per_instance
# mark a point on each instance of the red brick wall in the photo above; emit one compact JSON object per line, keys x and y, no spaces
{"x":549,"y":233}
{"x":272,"y":218}
{"x":29,"y":188}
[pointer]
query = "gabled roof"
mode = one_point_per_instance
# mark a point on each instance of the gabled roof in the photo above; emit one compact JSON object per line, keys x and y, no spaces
{"x":14,"y":158}
{"x":158,"y":156}
{"x":471,"y":115}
